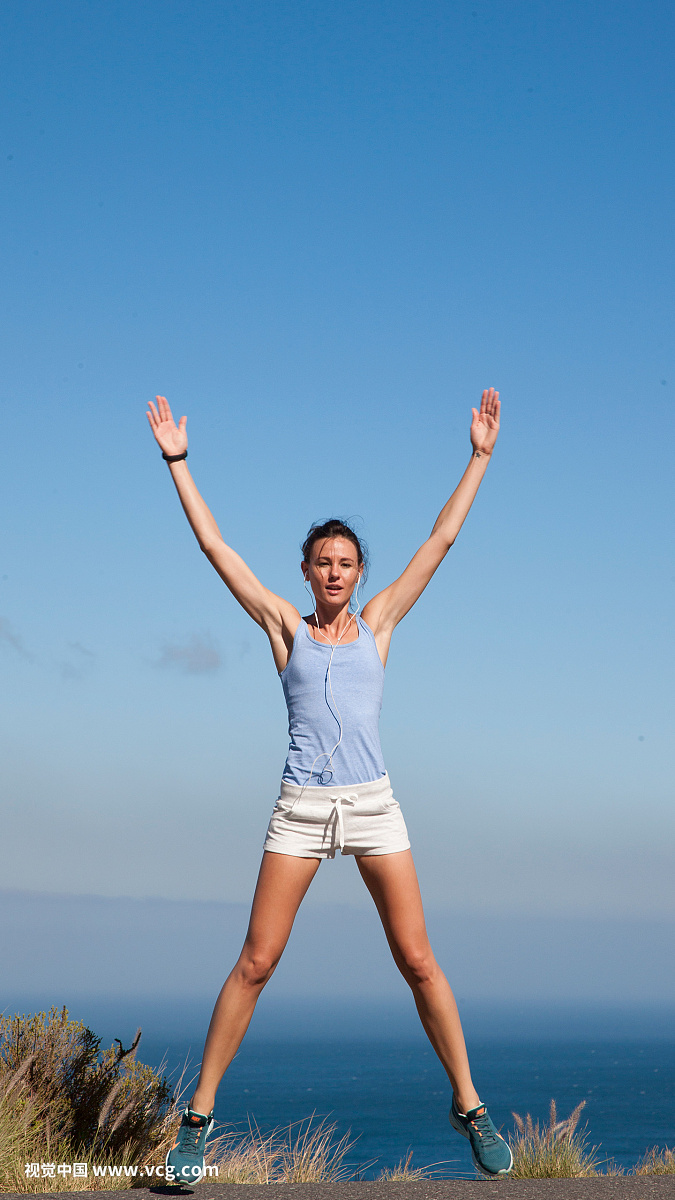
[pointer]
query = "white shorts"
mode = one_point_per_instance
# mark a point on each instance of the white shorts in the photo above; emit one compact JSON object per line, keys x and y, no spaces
{"x":314,"y":822}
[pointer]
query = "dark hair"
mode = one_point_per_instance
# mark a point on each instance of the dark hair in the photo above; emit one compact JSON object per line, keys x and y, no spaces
{"x":332,"y":528}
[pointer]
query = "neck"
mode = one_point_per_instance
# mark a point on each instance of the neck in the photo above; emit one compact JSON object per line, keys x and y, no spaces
{"x":334,"y":625}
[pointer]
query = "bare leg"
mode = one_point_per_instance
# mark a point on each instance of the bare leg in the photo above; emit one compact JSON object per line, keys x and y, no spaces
{"x":282,"y":883}
{"x":391,"y":880}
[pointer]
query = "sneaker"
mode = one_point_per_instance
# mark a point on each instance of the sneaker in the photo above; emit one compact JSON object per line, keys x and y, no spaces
{"x":490,"y":1153}
{"x":185,"y":1160}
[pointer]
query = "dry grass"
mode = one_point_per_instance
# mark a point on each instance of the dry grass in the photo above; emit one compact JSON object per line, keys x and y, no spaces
{"x":403,"y":1172}
{"x":555,"y":1151}
{"x":305,"y":1152}
{"x":559,"y":1150}
{"x":656,"y":1162}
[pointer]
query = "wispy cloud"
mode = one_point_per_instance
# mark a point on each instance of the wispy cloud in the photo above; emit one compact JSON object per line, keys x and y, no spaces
{"x":195,"y":657}
{"x":11,"y":638}
{"x":80,"y":649}
{"x":79,"y":663}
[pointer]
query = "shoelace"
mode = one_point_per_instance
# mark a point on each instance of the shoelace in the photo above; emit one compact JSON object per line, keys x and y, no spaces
{"x":190,"y":1136}
{"x":483,"y":1127}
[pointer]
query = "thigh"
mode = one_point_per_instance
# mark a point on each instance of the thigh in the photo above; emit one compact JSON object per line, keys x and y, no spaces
{"x":282,"y":883}
{"x":392,"y":881}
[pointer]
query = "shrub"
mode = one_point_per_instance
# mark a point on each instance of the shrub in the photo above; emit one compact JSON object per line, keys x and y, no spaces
{"x":63,"y":1099}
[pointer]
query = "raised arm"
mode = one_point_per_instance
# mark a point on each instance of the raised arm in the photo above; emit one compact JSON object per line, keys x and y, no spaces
{"x":385,"y":610}
{"x":275,"y":615}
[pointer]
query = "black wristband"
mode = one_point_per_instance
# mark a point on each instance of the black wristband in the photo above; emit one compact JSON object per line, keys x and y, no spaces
{"x":174,"y":457}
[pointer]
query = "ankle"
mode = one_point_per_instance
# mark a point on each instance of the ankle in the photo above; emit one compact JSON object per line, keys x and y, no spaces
{"x":200,"y":1104}
{"x":467,"y":1100}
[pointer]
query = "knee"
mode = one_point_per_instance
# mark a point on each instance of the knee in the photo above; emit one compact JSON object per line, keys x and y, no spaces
{"x":417,"y":964}
{"x":256,"y":966}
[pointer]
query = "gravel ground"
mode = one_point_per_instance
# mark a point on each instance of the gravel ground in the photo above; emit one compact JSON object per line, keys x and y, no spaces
{"x":646,"y":1187}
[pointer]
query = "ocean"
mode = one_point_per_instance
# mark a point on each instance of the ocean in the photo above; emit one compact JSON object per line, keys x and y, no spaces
{"x":367,"y":1067}
{"x":392,"y":1096}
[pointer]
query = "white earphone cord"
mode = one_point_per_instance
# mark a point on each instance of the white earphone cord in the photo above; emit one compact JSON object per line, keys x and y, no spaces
{"x":330,"y":682}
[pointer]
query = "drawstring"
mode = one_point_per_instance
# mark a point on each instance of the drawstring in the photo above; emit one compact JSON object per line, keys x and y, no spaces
{"x":336,"y":816}
{"x":337,"y":802}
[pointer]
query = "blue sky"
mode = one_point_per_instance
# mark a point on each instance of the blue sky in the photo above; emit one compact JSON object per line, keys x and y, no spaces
{"x":320,"y":230}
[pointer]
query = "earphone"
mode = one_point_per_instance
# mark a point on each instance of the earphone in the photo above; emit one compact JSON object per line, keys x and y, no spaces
{"x":333,"y":646}
{"x":356,"y":595}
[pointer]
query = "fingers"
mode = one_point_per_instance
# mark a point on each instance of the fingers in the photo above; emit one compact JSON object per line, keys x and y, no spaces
{"x":164,"y":410}
{"x":160,"y":412}
{"x":171,"y":438}
{"x":490,"y":404}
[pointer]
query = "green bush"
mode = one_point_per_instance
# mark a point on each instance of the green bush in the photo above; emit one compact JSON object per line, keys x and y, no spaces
{"x":63,"y":1099}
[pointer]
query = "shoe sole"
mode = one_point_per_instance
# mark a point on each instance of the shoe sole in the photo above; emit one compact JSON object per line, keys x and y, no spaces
{"x":492,"y":1174}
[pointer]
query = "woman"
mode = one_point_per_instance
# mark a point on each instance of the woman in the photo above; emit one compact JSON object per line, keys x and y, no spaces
{"x":335,"y":791}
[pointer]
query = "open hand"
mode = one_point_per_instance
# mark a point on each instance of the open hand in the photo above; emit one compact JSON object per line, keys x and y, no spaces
{"x":171,"y":437}
{"x":485,"y":424}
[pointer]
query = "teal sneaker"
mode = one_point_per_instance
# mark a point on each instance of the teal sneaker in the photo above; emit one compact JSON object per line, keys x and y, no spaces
{"x":185,"y":1160}
{"x":491,"y":1154}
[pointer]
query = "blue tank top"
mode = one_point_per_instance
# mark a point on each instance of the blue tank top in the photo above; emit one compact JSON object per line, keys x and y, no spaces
{"x":357,"y":676}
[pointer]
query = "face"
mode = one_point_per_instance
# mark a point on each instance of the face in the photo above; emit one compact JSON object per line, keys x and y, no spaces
{"x":332,"y":570}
